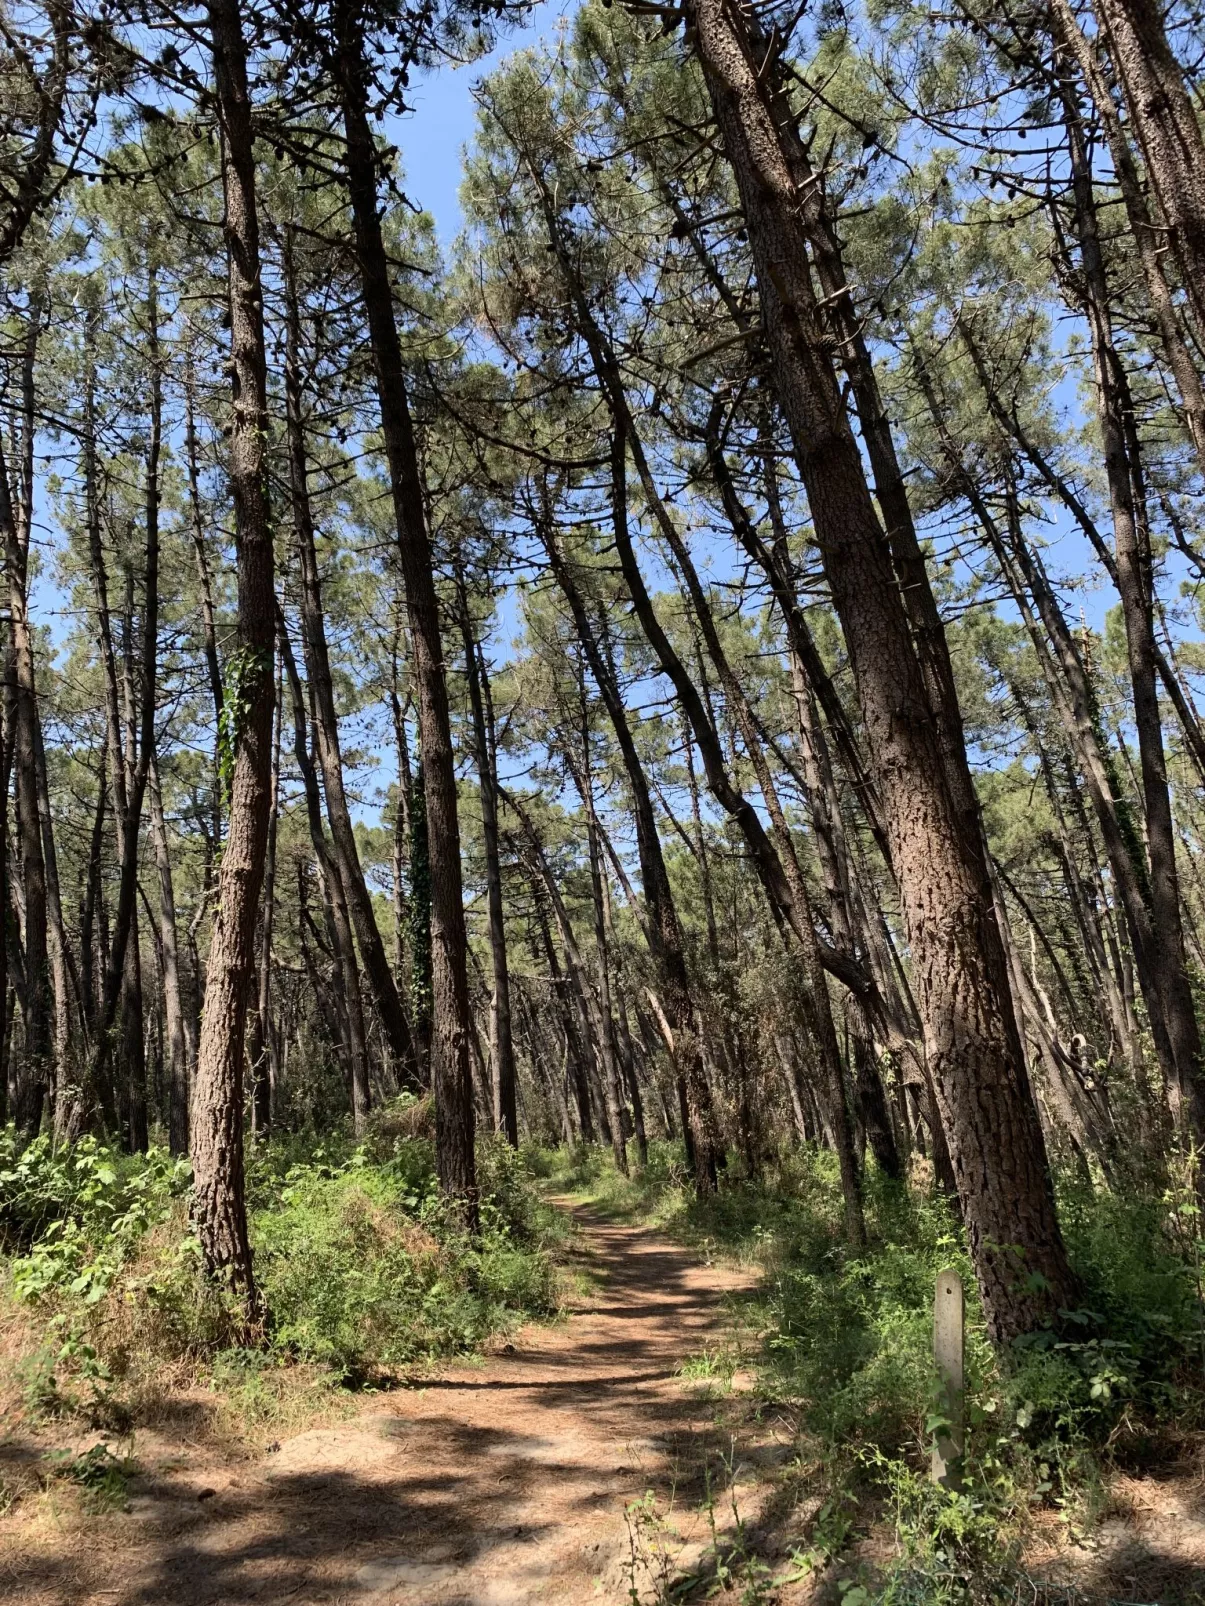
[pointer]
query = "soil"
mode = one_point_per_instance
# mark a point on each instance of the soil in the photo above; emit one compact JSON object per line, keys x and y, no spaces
{"x":493,"y":1483}
{"x":602,"y":1458}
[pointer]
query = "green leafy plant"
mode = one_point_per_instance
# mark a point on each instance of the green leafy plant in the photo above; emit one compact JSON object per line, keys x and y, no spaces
{"x":103,"y":1476}
{"x":243,"y":673}
{"x":362,"y":1267}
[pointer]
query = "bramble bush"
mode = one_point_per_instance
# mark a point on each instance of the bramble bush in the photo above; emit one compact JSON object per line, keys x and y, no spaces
{"x":362,"y":1267}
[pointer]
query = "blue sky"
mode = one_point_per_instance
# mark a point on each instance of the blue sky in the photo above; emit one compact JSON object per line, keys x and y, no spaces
{"x":432,"y":138}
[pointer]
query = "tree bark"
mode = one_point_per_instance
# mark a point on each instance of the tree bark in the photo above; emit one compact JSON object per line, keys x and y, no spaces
{"x":1168,"y":129}
{"x":502,"y":1046}
{"x":1127,"y":501}
{"x":975,"y":1058}
{"x":32,"y":1076}
{"x":220,"y":1208}
{"x":450,"y":1067}
{"x":209,"y":635}
{"x":607,"y":1045}
{"x":130,"y":757}
{"x":343,"y":949}
{"x":663,"y":928}
{"x":375,"y":962}
{"x":179,"y":1049}
{"x":262,"y":1055}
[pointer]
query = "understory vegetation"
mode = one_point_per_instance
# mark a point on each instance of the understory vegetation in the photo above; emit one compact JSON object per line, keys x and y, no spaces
{"x":689,"y":650}
{"x":108,"y":1312}
{"x":107,"y":1318}
{"x":844,"y":1344}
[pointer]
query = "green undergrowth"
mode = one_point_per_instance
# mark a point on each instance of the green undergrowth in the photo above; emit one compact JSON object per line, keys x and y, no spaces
{"x":105,"y":1311}
{"x":845,"y":1348}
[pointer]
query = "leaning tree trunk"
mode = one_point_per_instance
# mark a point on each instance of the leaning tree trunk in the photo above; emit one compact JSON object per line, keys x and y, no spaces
{"x":608,"y":1045}
{"x":219,"y":1200}
{"x":663,"y":931}
{"x":1127,"y":503}
{"x":502,"y":1045}
{"x":450,"y":1053}
{"x":1168,"y":129}
{"x":318,"y":669}
{"x":30,"y":1083}
{"x":1147,"y":231}
{"x":975,"y":1056}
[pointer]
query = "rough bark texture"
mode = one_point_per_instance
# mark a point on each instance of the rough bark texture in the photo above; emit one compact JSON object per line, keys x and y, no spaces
{"x":961,"y":974}
{"x":1147,"y":232}
{"x":1163,"y":118}
{"x":1132,"y":570}
{"x":219,"y":1203}
{"x":31,"y":1084}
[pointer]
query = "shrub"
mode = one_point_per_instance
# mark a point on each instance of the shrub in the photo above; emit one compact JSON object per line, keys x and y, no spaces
{"x":362,"y":1267}
{"x":847,"y":1345}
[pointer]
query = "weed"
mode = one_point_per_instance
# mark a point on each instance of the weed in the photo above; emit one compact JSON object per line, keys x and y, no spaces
{"x":37,"y":1382}
{"x":103,"y":1476}
{"x":846,"y":1345}
{"x":662,"y":1568}
{"x":653,"y":1545}
{"x":362,"y":1268}
{"x":709,"y":1367}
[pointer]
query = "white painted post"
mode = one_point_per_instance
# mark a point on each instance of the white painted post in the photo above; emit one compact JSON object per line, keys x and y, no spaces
{"x":948,"y":1353}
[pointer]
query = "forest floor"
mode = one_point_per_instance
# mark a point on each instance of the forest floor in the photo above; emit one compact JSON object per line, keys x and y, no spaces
{"x":608,"y":1456}
{"x":496,"y":1481}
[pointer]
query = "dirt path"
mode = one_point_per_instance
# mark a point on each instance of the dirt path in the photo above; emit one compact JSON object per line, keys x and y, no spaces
{"x":496,"y":1483}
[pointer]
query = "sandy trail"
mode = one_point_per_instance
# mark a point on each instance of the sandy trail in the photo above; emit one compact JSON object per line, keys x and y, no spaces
{"x":495,"y":1483}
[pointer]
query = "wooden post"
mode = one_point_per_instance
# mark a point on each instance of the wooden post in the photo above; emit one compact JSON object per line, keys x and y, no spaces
{"x":948,"y":1357}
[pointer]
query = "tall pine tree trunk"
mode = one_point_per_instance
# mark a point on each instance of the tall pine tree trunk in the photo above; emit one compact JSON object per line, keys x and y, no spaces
{"x":220,"y":1209}
{"x":451,"y":1071}
{"x":31,"y":1078}
{"x":1168,"y":129}
{"x":179,"y":1050}
{"x":338,"y":919}
{"x":261,"y":1052}
{"x":608,"y":1046}
{"x":502,"y":1045}
{"x":663,"y":928}
{"x":318,"y":671}
{"x":975,"y":1057}
{"x":1131,"y":534}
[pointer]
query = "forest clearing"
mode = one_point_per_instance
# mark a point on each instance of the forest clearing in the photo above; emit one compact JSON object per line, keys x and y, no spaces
{"x":601,"y":771}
